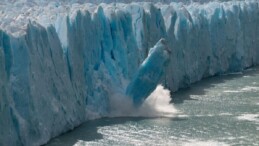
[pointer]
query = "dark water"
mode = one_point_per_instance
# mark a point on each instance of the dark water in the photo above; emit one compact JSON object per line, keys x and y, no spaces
{"x":222,"y":110}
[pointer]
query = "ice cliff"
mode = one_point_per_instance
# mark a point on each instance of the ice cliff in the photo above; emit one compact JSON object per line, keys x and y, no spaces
{"x":60,"y":62}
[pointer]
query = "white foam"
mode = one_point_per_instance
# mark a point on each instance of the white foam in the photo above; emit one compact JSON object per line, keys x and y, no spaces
{"x":231,"y":91}
{"x":245,"y":89}
{"x":225,"y":114}
{"x":249,"y":117}
{"x":203,"y":143}
{"x":250,"y":88}
{"x":156,"y":105}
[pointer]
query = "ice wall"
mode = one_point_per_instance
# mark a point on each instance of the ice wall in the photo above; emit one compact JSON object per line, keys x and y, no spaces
{"x":60,"y":64}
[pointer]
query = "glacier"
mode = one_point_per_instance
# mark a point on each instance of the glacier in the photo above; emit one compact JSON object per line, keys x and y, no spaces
{"x":60,"y":62}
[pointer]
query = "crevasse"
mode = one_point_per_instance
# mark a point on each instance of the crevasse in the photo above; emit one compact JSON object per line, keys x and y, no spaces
{"x":59,"y":64}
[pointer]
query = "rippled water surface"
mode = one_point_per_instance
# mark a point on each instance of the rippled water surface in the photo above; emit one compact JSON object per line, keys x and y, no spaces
{"x":222,"y":110}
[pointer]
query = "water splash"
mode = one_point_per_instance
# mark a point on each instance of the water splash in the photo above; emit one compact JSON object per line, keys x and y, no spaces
{"x":156,"y":105}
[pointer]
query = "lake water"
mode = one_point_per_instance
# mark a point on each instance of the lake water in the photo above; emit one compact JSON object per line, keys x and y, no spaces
{"x":222,"y":110}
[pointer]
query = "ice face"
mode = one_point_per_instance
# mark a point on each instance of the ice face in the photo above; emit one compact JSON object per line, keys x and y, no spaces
{"x":60,"y":62}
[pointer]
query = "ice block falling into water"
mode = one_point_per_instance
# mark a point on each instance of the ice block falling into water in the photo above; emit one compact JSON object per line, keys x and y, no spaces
{"x":149,"y":73}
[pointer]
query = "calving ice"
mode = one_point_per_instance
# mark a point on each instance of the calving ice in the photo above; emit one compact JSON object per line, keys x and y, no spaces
{"x":149,"y":73}
{"x":60,"y":62}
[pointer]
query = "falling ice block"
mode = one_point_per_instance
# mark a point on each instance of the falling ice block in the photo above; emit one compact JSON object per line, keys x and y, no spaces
{"x":149,"y":73}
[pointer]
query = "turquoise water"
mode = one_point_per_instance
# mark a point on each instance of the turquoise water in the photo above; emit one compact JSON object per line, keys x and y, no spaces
{"x":222,"y":110}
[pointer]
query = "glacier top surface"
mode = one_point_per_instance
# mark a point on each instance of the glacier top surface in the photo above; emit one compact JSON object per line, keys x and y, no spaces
{"x":15,"y":15}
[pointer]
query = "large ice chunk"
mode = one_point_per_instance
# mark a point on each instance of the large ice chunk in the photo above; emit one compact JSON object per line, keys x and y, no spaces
{"x":149,"y":73}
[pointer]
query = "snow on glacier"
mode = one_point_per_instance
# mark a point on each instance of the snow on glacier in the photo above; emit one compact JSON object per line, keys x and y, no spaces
{"x":61,"y":62}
